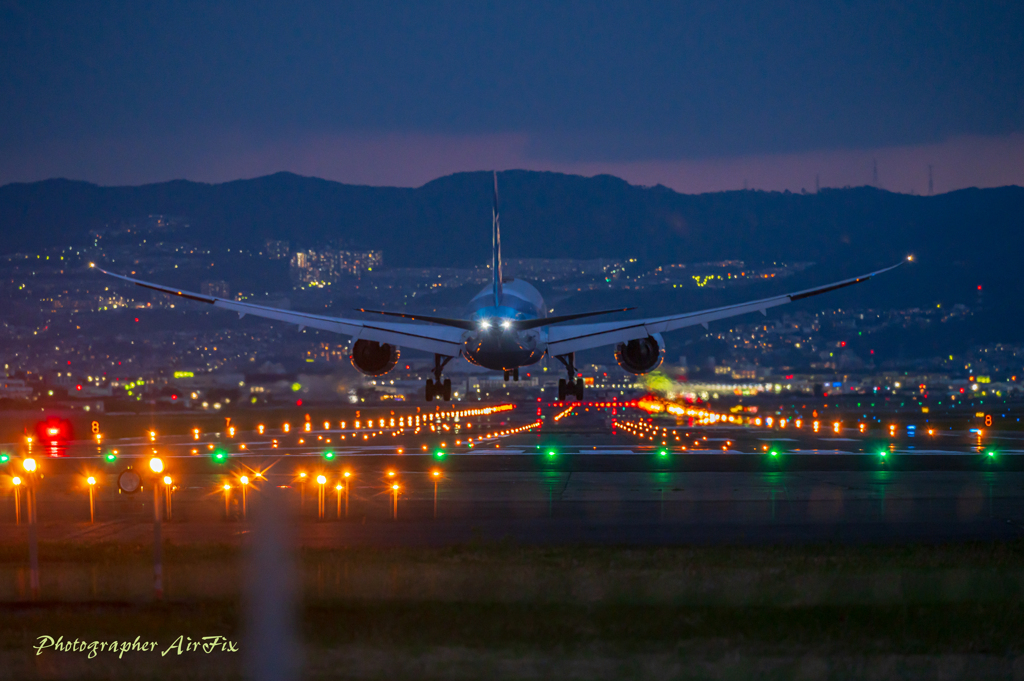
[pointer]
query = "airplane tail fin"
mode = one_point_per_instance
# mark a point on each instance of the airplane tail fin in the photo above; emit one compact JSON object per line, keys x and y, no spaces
{"x":496,"y":245}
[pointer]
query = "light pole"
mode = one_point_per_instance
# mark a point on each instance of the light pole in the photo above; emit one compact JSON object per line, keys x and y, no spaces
{"x":348,"y":485}
{"x":437,"y":476}
{"x":157,"y":466}
{"x":227,"y":501}
{"x":29,"y":465}
{"x":17,"y":500}
{"x":321,"y":480}
{"x":245,"y":483}
{"x":92,"y":507}
{"x":168,"y":490}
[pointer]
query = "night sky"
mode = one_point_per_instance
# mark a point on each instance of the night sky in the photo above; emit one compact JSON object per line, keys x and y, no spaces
{"x":699,"y":97}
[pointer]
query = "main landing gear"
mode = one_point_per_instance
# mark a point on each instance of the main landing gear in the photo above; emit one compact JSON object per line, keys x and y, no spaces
{"x":513,"y":374}
{"x":435,"y":388}
{"x":574,"y":386}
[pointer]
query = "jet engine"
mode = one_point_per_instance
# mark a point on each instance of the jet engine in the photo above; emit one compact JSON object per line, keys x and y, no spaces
{"x":641,"y":355}
{"x":373,"y":358}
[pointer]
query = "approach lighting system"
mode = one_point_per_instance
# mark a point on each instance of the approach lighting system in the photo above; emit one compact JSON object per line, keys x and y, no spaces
{"x":168,"y":480}
{"x":29,"y":465}
{"x":321,"y":479}
{"x":156,"y":464}
{"x":244,"y":479}
{"x":91,"y":480}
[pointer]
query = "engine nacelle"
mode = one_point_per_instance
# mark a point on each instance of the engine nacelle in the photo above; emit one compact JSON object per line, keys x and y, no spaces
{"x":373,"y":358}
{"x":641,"y":355}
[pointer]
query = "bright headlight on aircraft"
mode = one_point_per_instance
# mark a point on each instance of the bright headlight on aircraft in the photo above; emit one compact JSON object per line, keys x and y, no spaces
{"x":485,"y":324}
{"x":506,"y":324}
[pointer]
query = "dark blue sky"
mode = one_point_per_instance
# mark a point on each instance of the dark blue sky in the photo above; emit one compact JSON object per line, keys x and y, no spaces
{"x":399,"y":92}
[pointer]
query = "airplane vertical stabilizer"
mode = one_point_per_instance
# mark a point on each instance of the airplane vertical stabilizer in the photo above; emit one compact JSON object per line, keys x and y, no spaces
{"x":496,"y":245}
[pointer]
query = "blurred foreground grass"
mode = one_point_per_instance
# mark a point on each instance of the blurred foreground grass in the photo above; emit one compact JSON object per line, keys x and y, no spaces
{"x":506,"y":611}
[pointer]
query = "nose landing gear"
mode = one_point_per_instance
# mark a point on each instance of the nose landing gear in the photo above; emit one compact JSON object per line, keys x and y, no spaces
{"x":574,"y":386}
{"x":435,"y":387}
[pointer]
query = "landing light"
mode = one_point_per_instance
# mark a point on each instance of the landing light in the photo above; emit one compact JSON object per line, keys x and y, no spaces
{"x":506,"y":324}
{"x":485,"y":325}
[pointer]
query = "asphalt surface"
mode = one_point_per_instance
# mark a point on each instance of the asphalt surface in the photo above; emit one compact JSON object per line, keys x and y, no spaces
{"x":584,"y":478}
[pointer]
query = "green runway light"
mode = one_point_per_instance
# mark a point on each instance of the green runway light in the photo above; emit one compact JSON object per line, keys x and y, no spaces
{"x":663,"y":453}
{"x":4,"y":458}
{"x":110,"y":456}
{"x":328,"y":455}
{"x":882,"y":454}
{"x":219,"y":457}
{"x":774,"y":453}
{"x":439,"y":454}
{"x":551,"y":454}
{"x":991,"y":454}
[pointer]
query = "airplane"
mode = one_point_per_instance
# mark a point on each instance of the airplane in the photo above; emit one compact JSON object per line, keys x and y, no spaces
{"x":504,"y":329}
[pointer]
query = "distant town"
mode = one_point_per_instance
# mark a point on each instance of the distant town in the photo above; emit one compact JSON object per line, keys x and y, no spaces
{"x":78,"y":340}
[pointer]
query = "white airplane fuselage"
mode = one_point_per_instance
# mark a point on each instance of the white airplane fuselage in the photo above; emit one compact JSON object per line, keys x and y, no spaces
{"x":494,"y":344}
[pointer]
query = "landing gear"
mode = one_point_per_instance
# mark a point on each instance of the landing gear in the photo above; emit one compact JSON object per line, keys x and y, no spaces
{"x":435,"y":387}
{"x":573,"y":386}
{"x":513,"y":374}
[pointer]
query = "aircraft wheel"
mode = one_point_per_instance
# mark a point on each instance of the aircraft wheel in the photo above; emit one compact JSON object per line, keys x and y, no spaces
{"x":448,"y":390}
{"x":561,"y":390}
{"x":430,"y":390}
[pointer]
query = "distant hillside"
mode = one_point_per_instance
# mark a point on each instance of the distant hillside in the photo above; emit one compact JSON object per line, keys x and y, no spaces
{"x":962,"y":239}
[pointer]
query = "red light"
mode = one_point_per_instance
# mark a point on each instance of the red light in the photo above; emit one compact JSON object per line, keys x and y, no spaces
{"x":298,"y":403}
{"x":979,"y":288}
{"x":136,"y":319}
{"x":78,"y":387}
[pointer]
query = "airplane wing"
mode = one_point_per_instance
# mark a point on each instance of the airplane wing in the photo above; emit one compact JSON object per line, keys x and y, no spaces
{"x":573,"y":338}
{"x":436,"y":339}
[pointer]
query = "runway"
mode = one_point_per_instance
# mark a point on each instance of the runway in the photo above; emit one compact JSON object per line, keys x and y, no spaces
{"x":541,"y":475}
{"x":556,"y":507}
